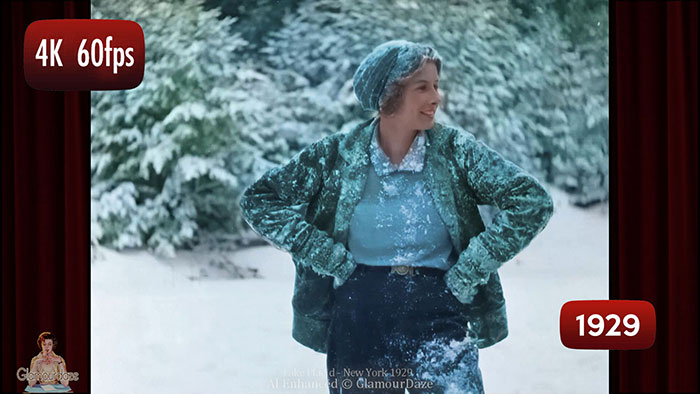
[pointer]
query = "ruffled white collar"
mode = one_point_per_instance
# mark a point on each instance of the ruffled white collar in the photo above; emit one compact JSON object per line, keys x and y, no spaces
{"x":413,"y":161}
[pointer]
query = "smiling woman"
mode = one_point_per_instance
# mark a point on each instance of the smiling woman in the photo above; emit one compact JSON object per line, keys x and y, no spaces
{"x":409,"y":110}
{"x":396,"y":274}
{"x":393,"y":96}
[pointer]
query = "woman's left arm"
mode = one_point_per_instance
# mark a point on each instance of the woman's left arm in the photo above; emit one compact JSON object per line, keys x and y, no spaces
{"x":525,"y":208}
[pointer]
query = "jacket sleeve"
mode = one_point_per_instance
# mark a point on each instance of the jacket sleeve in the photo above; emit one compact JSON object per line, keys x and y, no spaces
{"x":525,"y":208}
{"x":267,"y":207}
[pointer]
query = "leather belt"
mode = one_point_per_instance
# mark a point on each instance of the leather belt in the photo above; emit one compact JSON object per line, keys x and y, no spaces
{"x":402,"y":270}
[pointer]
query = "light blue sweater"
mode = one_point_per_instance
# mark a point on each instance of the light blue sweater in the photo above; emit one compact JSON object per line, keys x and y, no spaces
{"x":396,"y":222}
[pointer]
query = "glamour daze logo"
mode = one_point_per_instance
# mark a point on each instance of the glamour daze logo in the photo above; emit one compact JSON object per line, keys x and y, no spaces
{"x":24,"y":374}
{"x":47,"y":368}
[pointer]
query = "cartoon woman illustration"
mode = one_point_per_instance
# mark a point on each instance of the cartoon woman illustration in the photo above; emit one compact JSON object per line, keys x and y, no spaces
{"x":47,"y":366}
{"x":396,"y":274}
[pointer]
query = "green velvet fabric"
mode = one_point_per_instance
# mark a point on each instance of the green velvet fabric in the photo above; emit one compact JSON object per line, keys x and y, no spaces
{"x":461,"y":172}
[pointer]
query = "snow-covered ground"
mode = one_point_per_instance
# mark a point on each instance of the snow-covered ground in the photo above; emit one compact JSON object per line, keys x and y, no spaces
{"x":156,"y":330}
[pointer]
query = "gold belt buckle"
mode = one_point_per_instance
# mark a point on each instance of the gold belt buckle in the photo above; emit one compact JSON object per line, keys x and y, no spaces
{"x":402,"y":269}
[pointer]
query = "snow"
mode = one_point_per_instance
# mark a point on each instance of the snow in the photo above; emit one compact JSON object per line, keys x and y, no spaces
{"x":154,"y":329}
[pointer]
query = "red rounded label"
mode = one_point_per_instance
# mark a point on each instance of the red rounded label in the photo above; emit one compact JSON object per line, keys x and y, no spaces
{"x":83,"y":54}
{"x":607,"y":324}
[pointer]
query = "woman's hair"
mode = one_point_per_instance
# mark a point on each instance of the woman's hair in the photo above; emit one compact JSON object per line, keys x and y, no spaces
{"x":393,"y":95}
{"x":388,"y":63}
{"x":44,"y":336}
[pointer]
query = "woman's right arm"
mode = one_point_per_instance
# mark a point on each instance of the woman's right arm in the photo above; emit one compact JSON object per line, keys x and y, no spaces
{"x":267,"y":208}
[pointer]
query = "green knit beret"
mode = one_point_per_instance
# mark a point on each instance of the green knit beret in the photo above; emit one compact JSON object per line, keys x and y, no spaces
{"x":388,"y":63}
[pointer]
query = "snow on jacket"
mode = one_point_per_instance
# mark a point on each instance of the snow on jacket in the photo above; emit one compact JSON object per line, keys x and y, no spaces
{"x":329,"y":175}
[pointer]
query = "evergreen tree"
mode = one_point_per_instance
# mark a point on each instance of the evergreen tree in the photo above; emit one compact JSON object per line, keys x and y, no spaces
{"x":255,"y":19}
{"x":168,"y":158}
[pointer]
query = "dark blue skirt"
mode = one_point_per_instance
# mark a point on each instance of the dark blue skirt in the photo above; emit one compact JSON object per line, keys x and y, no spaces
{"x":392,"y":332}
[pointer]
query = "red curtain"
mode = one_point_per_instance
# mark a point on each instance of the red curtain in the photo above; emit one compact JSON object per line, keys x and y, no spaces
{"x":45,"y":207}
{"x":654,"y":189}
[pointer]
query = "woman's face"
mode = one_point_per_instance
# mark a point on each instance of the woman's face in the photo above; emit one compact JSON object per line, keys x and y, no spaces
{"x":47,"y":345}
{"x":421,"y":98}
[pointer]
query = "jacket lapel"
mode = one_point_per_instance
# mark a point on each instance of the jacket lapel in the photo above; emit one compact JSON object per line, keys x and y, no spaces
{"x":440,"y":182}
{"x":354,"y":149}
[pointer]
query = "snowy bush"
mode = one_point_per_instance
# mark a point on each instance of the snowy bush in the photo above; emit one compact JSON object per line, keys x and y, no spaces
{"x":167,"y":156}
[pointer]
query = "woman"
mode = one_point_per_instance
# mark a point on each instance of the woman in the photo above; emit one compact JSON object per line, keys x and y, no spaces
{"x":49,"y":367}
{"x":395,"y":273}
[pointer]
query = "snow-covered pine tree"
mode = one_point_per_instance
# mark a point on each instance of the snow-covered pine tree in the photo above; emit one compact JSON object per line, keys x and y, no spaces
{"x":584,"y":169}
{"x":255,"y":19}
{"x":169,"y":160}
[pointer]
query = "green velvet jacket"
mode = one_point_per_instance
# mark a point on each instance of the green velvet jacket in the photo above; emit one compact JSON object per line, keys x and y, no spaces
{"x":329,"y":175}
